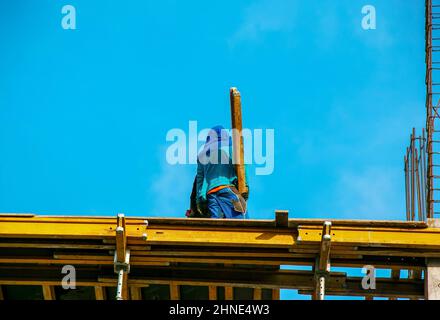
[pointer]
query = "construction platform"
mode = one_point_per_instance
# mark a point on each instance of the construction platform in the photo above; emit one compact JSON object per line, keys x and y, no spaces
{"x":167,"y":258}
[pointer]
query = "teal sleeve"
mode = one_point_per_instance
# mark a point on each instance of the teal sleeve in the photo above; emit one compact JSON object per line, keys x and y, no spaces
{"x":200,"y":179}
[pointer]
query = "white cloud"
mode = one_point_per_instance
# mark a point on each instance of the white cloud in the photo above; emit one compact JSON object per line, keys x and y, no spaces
{"x":366,"y":153}
{"x":265,"y":16}
{"x":171,"y":189}
{"x":369,"y":194}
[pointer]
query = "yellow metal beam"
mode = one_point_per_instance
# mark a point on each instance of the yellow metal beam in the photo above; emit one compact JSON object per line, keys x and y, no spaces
{"x":208,"y":235}
{"x":393,"y":237}
{"x":160,"y":244}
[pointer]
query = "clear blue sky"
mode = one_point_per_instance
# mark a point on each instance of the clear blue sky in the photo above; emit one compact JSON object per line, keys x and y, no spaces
{"x":84,"y":113}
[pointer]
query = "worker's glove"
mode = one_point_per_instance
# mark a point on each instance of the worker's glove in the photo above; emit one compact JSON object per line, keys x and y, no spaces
{"x":202,"y":207}
{"x":245,"y":194}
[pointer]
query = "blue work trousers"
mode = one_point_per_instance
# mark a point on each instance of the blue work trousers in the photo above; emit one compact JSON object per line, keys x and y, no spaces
{"x":225,"y":203}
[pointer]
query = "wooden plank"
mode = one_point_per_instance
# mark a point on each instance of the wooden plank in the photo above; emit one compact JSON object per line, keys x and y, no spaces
{"x":212,"y":292}
{"x":21,"y":282}
{"x":75,"y":262}
{"x":229,"y":293}
{"x":216,"y":253}
{"x":135,"y":293}
{"x":302,"y":261}
{"x":55,"y":246}
{"x":395,"y":275}
{"x":255,"y":261}
{"x":1,"y":293}
{"x":276,"y":294}
{"x":55,"y":261}
{"x":257,"y":293}
{"x":48,"y":292}
{"x":398,"y":252}
{"x":99,"y":293}
{"x":125,"y":290}
{"x":237,"y":139}
{"x":174,"y":291}
{"x":121,"y":239}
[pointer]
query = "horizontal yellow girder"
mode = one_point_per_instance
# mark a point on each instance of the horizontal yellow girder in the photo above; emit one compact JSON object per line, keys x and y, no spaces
{"x":135,"y":229}
{"x":393,"y":237}
{"x":64,"y":228}
{"x":206,"y":233}
{"x":161,"y":244}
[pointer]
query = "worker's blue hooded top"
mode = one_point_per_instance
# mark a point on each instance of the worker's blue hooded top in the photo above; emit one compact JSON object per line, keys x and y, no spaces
{"x":214,"y":162}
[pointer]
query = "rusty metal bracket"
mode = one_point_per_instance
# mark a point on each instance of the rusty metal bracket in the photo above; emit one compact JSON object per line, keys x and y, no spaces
{"x":282,"y":218}
{"x":125,"y":265}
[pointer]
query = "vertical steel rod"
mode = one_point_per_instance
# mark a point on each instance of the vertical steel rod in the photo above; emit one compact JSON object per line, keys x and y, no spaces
{"x":408,"y":217}
{"x":429,"y":119}
{"x":419,"y":198}
{"x":413,"y":175}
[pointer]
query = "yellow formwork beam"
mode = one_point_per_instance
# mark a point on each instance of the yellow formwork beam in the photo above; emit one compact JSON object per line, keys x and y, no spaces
{"x":393,"y":237}
{"x":159,"y":244}
{"x":137,"y":232}
{"x":65,"y":228}
{"x":249,"y":233}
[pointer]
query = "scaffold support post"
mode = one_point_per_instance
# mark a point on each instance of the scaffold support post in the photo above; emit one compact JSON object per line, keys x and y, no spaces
{"x":121,"y":259}
{"x":322,"y":267}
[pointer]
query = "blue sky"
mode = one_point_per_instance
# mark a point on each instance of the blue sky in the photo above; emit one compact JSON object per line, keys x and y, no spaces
{"x":84,"y":113}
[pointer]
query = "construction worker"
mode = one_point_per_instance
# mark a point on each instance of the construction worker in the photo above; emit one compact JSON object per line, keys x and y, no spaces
{"x":216,"y":179}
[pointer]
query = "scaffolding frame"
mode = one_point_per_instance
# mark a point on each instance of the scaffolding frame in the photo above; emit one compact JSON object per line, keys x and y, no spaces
{"x":216,"y":253}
